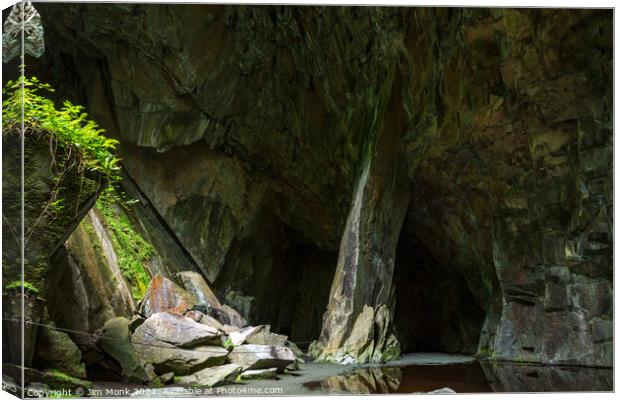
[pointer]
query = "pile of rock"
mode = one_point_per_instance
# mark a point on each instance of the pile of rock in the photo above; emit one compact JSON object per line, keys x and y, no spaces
{"x":181,"y":333}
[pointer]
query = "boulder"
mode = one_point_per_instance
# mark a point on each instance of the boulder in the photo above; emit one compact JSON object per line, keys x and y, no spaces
{"x":268,"y":373}
{"x":256,"y":356}
{"x":206,"y":301}
{"x":228,"y":329}
{"x":163,"y":295}
{"x":229,"y":316}
{"x":115,"y":340}
{"x":214,"y":323}
{"x":263,"y":336}
{"x":167,"y":358}
{"x":175,"y":330}
{"x":56,"y":350}
{"x":239,"y":337}
{"x":296,"y":350}
{"x":213,"y":376}
{"x":195,"y":284}
{"x":194,"y":314}
{"x":359,"y":343}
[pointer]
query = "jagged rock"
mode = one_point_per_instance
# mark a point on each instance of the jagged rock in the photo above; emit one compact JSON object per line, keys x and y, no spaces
{"x":239,"y":337}
{"x":368,"y":340}
{"x":56,"y":350}
{"x":116,"y":341}
{"x":195,"y":284}
{"x":518,"y":377}
{"x":46,"y":231}
{"x":163,"y":295}
{"x":241,"y":303}
{"x":175,"y":330}
{"x":214,"y":323}
{"x":212,"y":376}
{"x":167,"y":358}
{"x":367,"y":250}
{"x":255,"y":356}
{"x":229,"y":316}
{"x":263,"y":336}
{"x":194,"y":315}
{"x":206,"y":301}
{"x":268,"y":373}
{"x":228,"y":329}
{"x":296,"y":350}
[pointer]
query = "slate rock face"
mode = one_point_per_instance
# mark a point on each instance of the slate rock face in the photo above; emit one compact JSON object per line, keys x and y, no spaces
{"x":116,"y":341}
{"x":56,"y":350}
{"x":505,"y":377}
{"x":163,"y":295}
{"x":301,"y":140}
{"x":45,"y":230}
{"x":166,"y":358}
{"x":175,"y":330}
{"x":255,"y":356}
{"x":206,"y":300}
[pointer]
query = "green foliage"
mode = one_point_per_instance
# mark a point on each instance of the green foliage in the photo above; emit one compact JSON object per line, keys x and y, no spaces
{"x":131,"y":249}
{"x":18,"y":284}
{"x":69,"y":125}
{"x":62,"y":377}
{"x":228,"y":344}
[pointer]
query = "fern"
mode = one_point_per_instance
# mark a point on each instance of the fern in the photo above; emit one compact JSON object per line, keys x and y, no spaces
{"x":69,"y":125}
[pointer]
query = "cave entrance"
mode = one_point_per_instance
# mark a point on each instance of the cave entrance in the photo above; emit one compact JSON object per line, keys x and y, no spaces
{"x":273,"y":276}
{"x":435,"y":309}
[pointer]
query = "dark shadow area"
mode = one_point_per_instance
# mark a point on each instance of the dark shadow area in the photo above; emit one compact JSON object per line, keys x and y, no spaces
{"x":274,"y":278}
{"x":435,"y":309}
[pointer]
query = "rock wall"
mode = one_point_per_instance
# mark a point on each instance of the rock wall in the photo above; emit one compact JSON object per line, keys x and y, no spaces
{"x":45,"y":228}
{"x":241,"y":122}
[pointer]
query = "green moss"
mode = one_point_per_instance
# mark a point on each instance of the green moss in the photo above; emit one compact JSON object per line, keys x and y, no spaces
{"x":27,"y":286}
{"x":61,"y":377}
{"x":132,"y":250}
{"x":486,"y":352}
{"x":157,"y":383}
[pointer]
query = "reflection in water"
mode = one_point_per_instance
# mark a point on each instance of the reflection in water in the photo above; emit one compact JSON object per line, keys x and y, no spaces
{"x":362,"y":381}
{"x":468,"y":378}
{"x":509,"y":377}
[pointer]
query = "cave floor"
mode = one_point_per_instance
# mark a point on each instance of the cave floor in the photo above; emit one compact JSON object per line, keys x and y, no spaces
{"x":413,"y":373}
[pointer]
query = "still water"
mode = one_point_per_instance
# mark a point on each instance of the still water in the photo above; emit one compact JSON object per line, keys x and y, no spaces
{"x":475,"y":377}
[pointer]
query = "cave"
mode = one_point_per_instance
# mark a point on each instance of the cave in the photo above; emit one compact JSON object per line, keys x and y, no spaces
{"x":344,"y":185}
{"x":435,"y":311}
{"x":273,"y":276}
